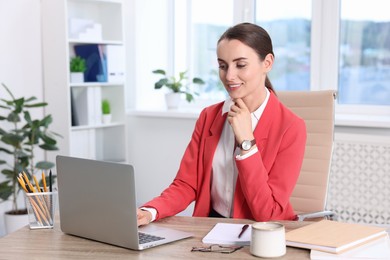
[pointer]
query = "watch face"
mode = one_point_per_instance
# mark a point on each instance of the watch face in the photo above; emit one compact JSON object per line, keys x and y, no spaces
{"x":246,"y":145}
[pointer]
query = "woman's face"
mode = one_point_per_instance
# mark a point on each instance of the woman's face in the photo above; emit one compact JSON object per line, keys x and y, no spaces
{"x":241,"y":70}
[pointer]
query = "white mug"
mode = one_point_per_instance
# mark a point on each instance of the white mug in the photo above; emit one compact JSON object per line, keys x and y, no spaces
{"x":268,"y":239}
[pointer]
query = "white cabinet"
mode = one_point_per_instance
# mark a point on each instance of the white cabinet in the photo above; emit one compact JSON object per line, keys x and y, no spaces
{"x":94,"y":30}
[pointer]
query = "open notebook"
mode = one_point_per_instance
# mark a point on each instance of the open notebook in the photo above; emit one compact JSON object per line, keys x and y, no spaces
{"x":227,"y":234}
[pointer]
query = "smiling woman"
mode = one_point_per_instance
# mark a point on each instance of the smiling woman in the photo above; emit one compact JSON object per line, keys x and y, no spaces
{"x":230,"y":156}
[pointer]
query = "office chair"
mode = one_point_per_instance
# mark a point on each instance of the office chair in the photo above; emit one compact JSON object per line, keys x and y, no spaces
{"x":317,"y":109}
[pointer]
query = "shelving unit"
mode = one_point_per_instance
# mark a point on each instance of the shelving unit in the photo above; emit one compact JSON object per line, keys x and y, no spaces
{"x":76,"y":107}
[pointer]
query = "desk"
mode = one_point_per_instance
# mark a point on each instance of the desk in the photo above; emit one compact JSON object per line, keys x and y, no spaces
{"x":54,"y":244}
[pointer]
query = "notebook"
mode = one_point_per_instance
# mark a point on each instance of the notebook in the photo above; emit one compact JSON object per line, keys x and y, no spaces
{"x":227,"y":234}
{"x":332,"y":236}
{"x":97,"y":200}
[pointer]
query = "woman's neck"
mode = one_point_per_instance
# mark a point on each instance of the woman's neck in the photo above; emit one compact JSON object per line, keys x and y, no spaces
{"x":254,"y":101}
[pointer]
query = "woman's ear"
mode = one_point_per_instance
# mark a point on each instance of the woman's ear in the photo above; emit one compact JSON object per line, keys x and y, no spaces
{"x":268,"y":62}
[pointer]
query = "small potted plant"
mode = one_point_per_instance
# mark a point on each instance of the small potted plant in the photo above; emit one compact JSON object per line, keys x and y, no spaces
{"x":77,"y":68}
{"x":177,"y":87}
{"x":106,"y":111}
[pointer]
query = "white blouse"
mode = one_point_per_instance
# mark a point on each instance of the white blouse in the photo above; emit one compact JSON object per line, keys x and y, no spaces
{"x":224,"y":167}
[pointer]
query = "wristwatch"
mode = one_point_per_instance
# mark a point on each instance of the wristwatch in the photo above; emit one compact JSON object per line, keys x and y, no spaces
{"x":246,"y":145}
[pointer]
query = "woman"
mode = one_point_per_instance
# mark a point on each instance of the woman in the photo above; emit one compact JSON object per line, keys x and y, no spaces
{"x":245,"y":154}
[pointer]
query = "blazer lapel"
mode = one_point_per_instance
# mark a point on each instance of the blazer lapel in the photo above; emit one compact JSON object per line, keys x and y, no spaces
{"x":212,"y":140}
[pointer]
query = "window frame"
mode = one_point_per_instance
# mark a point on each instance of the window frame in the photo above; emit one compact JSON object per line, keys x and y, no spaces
{"x":324,"y":69}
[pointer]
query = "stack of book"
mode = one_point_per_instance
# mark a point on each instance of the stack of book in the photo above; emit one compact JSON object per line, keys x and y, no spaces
{"x":338,"y":240}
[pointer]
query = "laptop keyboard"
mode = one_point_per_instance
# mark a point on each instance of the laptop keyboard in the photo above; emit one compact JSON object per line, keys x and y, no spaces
{"x":146,"y":238}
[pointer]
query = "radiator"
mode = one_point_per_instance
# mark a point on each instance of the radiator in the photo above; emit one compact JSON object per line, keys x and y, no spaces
{"x":359,"y":184}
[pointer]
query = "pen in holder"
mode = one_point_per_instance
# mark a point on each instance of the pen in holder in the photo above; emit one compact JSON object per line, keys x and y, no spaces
{"x":41,"y":209}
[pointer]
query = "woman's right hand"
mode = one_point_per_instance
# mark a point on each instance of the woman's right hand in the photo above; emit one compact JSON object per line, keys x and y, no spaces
{"x":144,"y":217}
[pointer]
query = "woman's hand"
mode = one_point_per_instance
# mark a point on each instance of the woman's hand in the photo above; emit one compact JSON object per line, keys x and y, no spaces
{"x":144,"y":217}
{"x":239,"y":118}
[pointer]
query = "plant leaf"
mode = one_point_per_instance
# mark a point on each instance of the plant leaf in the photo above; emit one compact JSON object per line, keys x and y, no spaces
{"x":182,"y":75}
{"x":30,"y":99}
{"x":47,"y":139}
{"x":48,"y":147}
{"x":5,"y":190}
{"x":46,"y":121}
{"x":7,"y":89}
{"x":5,"y":150}
{"x":8,"y":173}
{"x":44,"y":165}
{"x":159,"y":84}
{"x":27,"y":117}
{"x":189,"y":97}
{"x":42,"y":104}
{"x":12,"y":139}
{"x":198,"y":81}
{"x":13,"y":117}
{"x":162,"y":72}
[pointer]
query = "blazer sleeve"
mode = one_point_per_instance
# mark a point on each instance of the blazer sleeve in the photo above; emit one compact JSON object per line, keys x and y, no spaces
{"x":268,"y":191}
{"x":182,"y":191}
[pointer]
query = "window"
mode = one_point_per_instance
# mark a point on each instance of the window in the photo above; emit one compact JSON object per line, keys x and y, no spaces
{"x":290,"y":29}
{"x":364,"y":63}
{"x":340,"y":44}
{"x":205,"y":28}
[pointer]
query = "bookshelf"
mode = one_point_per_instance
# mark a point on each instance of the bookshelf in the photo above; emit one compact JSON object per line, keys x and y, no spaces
{"x":69,"y":26}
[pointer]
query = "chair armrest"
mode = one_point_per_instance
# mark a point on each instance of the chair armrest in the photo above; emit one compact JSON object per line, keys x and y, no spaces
{"x":320,"y":214}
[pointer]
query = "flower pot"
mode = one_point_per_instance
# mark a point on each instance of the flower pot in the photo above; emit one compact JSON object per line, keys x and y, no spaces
{"x":106,"y":118}
{"x":173,"y":100}
{"x":76,"y":77}
{"x":14,"y":222}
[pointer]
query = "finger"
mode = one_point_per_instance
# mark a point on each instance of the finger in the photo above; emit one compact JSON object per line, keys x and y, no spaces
{"x":240,"y":103}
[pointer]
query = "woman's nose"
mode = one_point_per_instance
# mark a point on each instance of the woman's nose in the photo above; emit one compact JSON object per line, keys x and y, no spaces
{"x":230,"y":74}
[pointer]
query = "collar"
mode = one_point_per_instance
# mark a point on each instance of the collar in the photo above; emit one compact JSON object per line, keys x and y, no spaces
{"x":257,"y":113}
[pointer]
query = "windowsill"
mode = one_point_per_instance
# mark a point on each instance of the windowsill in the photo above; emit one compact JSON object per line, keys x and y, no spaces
{"x":381,"y":121}
{"x":165,"y":113}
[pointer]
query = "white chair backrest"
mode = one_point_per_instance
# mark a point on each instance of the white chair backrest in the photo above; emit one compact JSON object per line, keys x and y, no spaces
{"x":317,"y":109}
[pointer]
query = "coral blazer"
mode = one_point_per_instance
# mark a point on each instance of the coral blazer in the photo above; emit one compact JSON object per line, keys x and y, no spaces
{"x":265,"y":180}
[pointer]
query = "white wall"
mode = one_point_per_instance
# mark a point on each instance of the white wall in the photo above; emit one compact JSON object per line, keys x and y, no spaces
{"x":156,"y":145}
{"x":20,"y":59}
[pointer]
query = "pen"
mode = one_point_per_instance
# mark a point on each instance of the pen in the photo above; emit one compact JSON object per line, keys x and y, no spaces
{"x":50,"y":184}
{"x":245,"y":227}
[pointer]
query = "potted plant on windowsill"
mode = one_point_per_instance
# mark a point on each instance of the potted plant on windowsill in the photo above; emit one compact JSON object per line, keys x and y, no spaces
{"x":19,"y":142}
{"x":177,"y":87}
{"x":106,"y":111}
{"x":77,"y":68}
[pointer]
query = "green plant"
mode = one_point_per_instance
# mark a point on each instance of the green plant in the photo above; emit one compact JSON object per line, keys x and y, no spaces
{"x":20,"y":142}
{"x":106,"y":109}
{"x":77,"y":64}
{"x":177,"y":85}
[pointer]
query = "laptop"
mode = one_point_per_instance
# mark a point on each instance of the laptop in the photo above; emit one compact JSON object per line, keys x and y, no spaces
{"x":97,"y":200}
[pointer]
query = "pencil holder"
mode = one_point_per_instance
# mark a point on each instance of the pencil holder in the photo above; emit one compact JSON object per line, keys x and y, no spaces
{"x":41,"y":208}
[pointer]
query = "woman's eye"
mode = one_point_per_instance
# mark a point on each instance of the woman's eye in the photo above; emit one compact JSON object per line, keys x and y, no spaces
{"x":241,"y":65}
{"x":222,"y":66}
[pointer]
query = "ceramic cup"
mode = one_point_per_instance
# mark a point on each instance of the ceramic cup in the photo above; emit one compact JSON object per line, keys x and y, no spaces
{"x":268,"y":239}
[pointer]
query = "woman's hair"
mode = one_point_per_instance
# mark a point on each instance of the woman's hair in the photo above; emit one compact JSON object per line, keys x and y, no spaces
{"x":255,"y":37}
